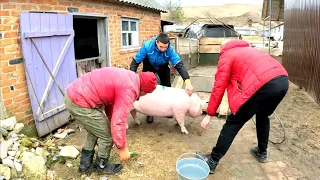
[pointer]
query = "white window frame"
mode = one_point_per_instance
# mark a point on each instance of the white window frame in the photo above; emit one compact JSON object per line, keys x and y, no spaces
{"x":138,"y":32}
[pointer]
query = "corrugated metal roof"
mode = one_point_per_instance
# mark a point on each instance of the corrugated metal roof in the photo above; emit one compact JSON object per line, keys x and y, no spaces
{"x":152,"y":4}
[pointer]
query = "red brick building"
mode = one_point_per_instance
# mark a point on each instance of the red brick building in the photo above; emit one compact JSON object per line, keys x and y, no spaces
{"x":106,"y":32}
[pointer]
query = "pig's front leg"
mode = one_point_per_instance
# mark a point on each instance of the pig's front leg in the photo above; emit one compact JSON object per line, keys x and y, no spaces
{"x":180,"y":120}
{"x":134,"y":116}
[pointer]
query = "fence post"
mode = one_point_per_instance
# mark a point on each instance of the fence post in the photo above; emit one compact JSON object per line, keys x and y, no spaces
{"x":189,"y":53}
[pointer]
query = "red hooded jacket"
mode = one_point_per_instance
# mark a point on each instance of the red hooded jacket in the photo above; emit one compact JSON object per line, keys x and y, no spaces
{"x":114,"y":88}
{"x":242,"y":70}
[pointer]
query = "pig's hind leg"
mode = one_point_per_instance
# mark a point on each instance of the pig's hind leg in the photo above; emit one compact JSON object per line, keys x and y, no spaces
{"x":180,"y":119}
{"x":134,"y":116}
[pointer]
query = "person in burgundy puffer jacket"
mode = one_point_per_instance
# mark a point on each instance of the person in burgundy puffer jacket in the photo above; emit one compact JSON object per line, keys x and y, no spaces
{"x":113,"y":91}
{"x":256,"y":83}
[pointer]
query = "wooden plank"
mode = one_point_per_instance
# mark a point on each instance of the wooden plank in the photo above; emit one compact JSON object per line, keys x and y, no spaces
{"x":209,"y":48}
{"x":70,"y":67}
{"x":186,"y":45}
{"x":47,"y":55}
{"x":214,"y":41}
{"x":27,"y":55}
{"x":68,"y":70}
{"x":185,"y":41}
{"x":187,"y":50}
{"x":47,"y":34}
{"x":56,"y":49}
{"x":223,"y":109}
{"x":53,"y":122}
{"x":43,"y":128}
{"x":224,"y":106}
{"x":38,"y":67}
{"x":52,"y":112}
{"x":179,"y":82}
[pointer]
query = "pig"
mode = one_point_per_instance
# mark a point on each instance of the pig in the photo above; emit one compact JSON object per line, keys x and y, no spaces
{"x":169,"y":102}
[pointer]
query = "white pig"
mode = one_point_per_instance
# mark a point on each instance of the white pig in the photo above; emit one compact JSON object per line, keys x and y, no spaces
{"x":169,"y":101}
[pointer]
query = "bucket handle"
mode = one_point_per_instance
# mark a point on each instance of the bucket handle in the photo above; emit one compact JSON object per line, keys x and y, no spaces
{"x":192,"y":154}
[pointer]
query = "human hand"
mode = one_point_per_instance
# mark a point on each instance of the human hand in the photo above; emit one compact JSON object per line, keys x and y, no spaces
{"x":124,"y":154}
{"x":205,"y":121}
{"x":188,"y":87}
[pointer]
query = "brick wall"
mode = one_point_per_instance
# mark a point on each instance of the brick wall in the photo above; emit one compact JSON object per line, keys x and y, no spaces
{"x":13,"y":87}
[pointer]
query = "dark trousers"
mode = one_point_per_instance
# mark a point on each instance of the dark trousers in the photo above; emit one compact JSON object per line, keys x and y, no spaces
{"x":262,"y":104}
{"x":163,"y":72}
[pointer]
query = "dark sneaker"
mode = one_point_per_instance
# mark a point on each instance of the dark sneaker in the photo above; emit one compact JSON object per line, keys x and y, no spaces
{"x":260,"y":156}
{"x":211,"y":163}
{"x":149,"y":119}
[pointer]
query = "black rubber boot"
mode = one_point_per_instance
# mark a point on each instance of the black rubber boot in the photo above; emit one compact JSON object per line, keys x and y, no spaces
{"x":149,"y":119}
{"x":260,"y":156}
{"x":105,"y":168}
{"x":86,"y":162}
{"x":211,"y":163}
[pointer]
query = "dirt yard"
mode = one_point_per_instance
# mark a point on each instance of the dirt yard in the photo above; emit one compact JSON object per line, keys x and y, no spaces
{"x":158,"y":145}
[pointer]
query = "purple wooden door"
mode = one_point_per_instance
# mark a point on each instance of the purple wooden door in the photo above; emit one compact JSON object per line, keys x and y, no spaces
{"x":50,"y":35}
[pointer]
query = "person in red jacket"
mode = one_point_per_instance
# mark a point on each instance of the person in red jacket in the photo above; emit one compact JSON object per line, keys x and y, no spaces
{"x":256,"y":83}
{"x":105,"y":92}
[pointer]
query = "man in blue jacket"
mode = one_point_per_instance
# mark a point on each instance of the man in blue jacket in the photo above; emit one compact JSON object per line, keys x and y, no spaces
{"x":155,"y":55}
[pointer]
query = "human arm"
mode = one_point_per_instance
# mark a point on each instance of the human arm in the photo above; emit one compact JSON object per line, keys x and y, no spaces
{"x":139,"y":57}
{"x":220,"y":84}
{"x":179,"y":66}
{"x":124,"y":100}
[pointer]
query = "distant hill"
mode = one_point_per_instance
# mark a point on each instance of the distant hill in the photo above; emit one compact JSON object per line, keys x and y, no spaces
{"x":235,"y":14}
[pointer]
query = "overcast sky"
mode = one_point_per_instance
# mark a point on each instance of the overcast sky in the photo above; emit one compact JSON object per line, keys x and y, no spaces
{"x":213,"y":2}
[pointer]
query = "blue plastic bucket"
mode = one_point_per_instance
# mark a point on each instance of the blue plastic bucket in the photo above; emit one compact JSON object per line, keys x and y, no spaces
{"x":192,"y":168}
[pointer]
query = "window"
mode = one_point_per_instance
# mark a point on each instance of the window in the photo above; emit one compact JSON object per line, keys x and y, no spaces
{"x":129,"y":33}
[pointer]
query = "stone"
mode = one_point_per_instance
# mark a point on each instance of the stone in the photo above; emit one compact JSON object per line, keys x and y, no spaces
{"x":60,"y":136}
{"x":8,"y":161}
{"x":4,"y":146}
{"x":14,"y":137}
{"x":18,"y":165}
{"x":23,"y":149}
{"x":35,"y":144}
{"x":3,"y":132}
{"x":17,"y":155}
{"x":18,"y":127}
{"x":43,"y":153}
{"x":69,"y":151}
{"x":34,"y":140}
{"x":15,"y":146}
{"x":12,"y":153}
{"x":26,"y":142}
{"x":33,"y":166}
{"x":5,"y":171}
{"x":9,"y":123}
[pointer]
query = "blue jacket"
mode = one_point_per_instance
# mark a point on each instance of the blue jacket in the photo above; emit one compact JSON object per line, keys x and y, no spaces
{"x":156,"y":57}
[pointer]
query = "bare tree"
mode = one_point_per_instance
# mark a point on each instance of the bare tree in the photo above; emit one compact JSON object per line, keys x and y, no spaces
{"x":175,"y":11}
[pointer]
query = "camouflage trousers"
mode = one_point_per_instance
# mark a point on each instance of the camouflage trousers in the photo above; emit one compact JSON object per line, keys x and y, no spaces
{"x":94,"y":121}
